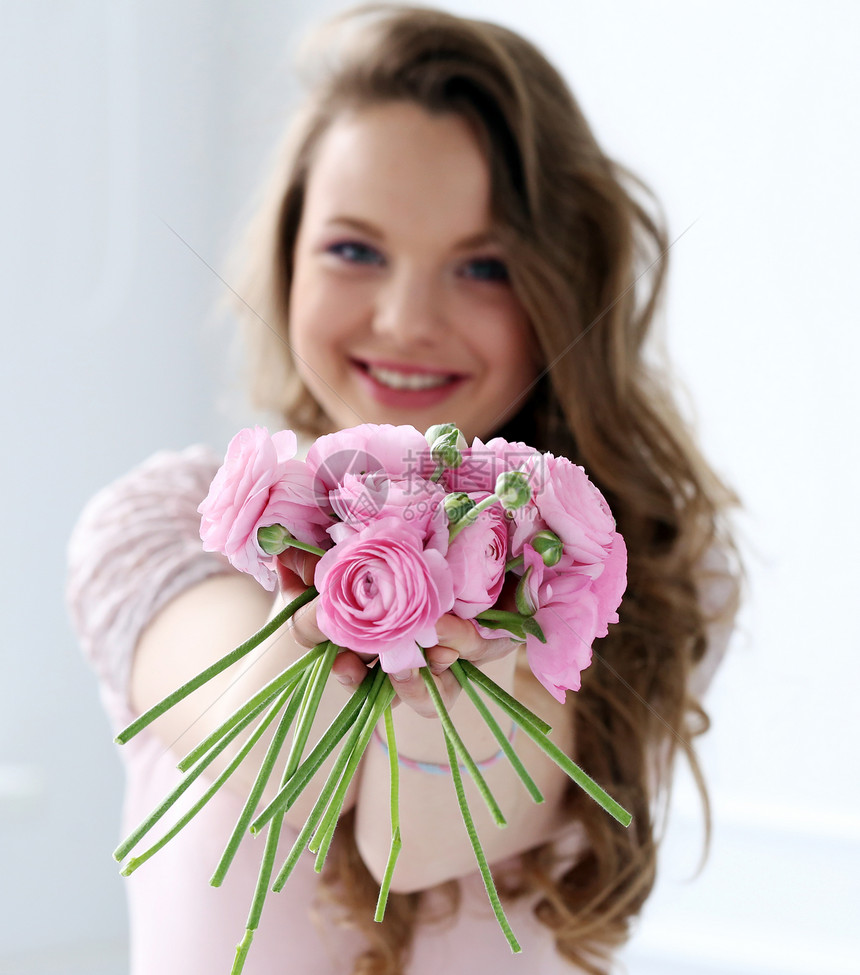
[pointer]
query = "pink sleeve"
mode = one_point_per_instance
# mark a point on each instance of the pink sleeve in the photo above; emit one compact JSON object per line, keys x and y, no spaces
{"x":135,"y":547}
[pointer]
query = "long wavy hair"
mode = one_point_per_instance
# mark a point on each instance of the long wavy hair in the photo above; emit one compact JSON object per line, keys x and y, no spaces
{"x":587,"y":258}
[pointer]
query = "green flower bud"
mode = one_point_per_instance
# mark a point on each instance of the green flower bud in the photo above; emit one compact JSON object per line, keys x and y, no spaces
{"x":548,"y":546}
{"x":531,"y":626}
{"x":521,"y":595}
{"x":456,"y":506}
{"x":441,"y":430}
{"x":273,"y":539}
{"x":446,"y":448}
{"x":512,"y":489}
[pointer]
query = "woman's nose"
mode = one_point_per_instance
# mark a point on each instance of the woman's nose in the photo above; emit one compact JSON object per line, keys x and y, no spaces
{"x":409,"y":309}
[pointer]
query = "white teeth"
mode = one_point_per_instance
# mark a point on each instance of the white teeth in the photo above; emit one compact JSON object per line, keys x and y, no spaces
{"x":407,"y":380}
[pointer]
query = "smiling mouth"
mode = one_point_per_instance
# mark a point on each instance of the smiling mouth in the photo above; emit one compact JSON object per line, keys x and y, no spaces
{"x":412,"y":380}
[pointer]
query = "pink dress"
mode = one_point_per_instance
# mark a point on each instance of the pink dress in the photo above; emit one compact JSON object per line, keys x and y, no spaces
{"x":136,"y":547}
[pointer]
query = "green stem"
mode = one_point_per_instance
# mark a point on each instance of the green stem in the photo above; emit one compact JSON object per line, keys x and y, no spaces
{"x":341,"y":725}
{"x":304,"y":546}
{"x":499,"y":735}
{"x":452,"y":735}
{"x":308,"y":709}
{"x":567,"y":765}
{"x":183,"y":821}
{"x":214,"y":669}
{"x":483,"y":866}
{"x":471,"y":516}
{"x":289,"y":675}
{"x":515,"y":563}
{"x":511,"y":705}
{"x":396,"y":842}
{"x":267,"y":867}
{"x":310,"y":705}
{"x":260,"y":783}
{"x":129,"y":843}
{"x":327,"y":790}
{"x":325,"y":831}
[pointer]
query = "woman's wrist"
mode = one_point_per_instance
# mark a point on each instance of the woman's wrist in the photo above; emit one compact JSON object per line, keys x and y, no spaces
{"x":421,"y":740}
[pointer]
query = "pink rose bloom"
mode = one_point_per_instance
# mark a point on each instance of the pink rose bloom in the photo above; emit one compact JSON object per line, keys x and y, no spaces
{"x":571,"y":506}
{"x":483,"y":462}
{"x":360,"y":499}
{"x":568,"y":613}
{"x":381,"y":593}
{"x":608,"y":583}
{"x":477,"y":472}
{"x":293,"y":504}
{"x":575,"y":603}
{"x":477,"y":561}
{"x":398,"y":451}
{"x":245,"y":486}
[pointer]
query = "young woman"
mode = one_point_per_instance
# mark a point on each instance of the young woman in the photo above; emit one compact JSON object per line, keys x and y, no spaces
{"x":443,"y":240}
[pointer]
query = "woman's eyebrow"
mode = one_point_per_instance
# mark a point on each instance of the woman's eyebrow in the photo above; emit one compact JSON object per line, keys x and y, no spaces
{"x":483,"y":238}
{"x":357,"y":224}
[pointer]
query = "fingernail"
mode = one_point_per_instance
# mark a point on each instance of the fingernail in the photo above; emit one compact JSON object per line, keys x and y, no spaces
{"x":344,"y":679}
{"x":403,"y":675}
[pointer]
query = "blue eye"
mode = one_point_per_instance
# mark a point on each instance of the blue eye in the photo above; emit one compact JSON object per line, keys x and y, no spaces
{"x":354,"y":252}
{"x":487,"y":269}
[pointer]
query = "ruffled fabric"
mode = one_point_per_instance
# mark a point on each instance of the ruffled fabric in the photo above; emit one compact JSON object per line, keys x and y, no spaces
{"x":135,"y":547}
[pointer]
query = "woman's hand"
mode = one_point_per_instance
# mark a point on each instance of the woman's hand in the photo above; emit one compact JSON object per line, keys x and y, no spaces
{"x":458,"y":638}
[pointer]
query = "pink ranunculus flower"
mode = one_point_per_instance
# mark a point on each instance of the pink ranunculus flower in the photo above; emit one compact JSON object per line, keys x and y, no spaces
{"x":609,"y":583}
{"x":574,"y":605}
{"x":360,"y":499}
{"x":571,"y":506}
{"x":567,"y":612}
{"x":382,"y":592}
{"x":398,"y":451}
{"x":483,"y":462}
{"x":239,"y":497}
{"x":477,"y":559}
{"x":477,"y":472}
{"x":293,"y":504}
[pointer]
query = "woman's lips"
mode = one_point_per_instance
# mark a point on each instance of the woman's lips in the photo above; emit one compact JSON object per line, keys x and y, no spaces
{"x":406,"y":385}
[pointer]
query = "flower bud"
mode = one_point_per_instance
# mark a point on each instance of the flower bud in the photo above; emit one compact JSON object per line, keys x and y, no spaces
{"x":442,"y":430}
{"x":446,"y":447}
{"x":456,"y":506}
{"x":512,"y":489}
{"x":273,"y":539}
{"x":548,"y":546}
{"x":522,"y":597}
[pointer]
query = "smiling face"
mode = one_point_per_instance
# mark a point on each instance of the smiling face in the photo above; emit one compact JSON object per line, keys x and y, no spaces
{"x":400,"y":307}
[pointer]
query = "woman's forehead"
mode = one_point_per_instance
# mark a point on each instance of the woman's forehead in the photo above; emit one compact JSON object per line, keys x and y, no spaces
{"x":398,"y":165}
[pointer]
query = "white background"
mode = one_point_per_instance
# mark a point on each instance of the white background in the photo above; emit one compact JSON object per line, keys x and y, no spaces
{"x":130,"y":125}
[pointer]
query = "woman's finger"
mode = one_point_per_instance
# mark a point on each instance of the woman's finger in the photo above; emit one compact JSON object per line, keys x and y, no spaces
{"x":302,"y":625}
{"x":294,"y":563}
{"x":348,"y":668}
{"x":412,"y":691}
{"x":461,"y":636}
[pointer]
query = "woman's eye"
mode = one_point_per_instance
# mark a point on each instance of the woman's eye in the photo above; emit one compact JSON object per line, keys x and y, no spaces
{"x":355,"y":253}
{"x":486,"y":269}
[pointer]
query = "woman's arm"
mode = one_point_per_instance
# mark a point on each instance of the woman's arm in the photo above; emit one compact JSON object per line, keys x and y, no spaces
{"x":210,"y":619}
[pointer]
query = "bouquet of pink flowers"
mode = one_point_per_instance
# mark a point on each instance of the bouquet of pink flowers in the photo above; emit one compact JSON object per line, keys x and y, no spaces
{"x":407,"y":527}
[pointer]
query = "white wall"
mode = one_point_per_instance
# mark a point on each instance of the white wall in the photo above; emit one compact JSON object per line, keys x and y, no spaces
{"x":130,"y":125}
